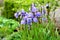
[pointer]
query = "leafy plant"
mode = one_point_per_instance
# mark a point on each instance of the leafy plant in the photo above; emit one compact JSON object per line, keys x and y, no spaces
{"x":7,"y":26}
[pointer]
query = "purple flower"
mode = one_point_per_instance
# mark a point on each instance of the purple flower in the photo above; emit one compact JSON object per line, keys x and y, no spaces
{"x":25,"y":18}
{"x":31,"y":15}
{"x":22,"y":21}
{"x":44,"y":19}
{"x":35,"y":20}
{"x":37,"y":14}
{"x":16,"y":14}
{"x":26,"y":14}
{"x":43,"y":11}
{"x":19,"y":13}
{"x":29,"y":21}
{"x":33,"y":5}
{"x":23,"y":12}
{"x":34,"y":9}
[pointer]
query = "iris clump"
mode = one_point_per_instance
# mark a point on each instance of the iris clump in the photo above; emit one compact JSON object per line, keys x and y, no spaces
{"x":33,"y":16}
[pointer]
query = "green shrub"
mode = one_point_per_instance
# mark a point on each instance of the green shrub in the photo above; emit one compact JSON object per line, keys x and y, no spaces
{"x":8,"y":11}
{"x":11,"y":6}
{"x":7,"y":26}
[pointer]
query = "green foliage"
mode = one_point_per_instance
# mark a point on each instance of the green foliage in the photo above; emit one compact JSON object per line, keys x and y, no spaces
{"x":43,"y":31}
{"x":7,"y":26}
{"x":9,"y":9}
{"x":37,"y":32}
{"x":12,"y":6}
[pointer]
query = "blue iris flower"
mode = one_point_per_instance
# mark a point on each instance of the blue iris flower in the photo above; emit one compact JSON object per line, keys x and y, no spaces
{"x":44,"y":19}
{"x":25,"y":18}
{"x":16,"y":14}
{"x":33,"y":5}
{"x":26,"y":14}
{"x":29,"y":21}
{"x":23,"y":12}
{"x":35,"y":20}
{"x":33,"y":9}
{"x":43,"y":11}
{"x":37,"y":14}
{"x":31,"y":15}
{"x":23,"y":22}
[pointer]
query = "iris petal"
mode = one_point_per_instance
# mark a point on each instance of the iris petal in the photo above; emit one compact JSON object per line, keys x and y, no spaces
{"x":35,"y":20}
{"x":22,"y":21}
{"x":38,"y":14}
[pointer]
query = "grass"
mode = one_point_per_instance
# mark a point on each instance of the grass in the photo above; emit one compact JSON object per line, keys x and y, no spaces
{"x":43,"y":31}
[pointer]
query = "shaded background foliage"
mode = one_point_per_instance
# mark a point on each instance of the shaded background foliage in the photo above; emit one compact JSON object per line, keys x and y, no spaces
{"x":12,"y":6}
